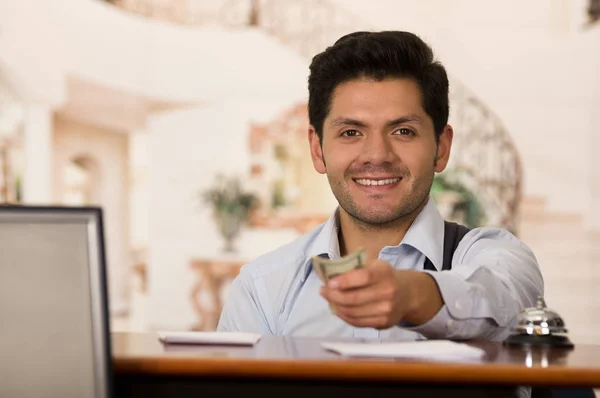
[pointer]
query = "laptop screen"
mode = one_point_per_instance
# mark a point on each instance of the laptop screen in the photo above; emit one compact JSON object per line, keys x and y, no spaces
{"x":53,"y":303}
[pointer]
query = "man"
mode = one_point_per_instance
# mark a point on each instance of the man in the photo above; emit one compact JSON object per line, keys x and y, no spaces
{"x":378,"y":112}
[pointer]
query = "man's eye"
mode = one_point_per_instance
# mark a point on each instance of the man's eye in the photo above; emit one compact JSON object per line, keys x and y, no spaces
{"x":350,"y":133}
{"x":404,"y":131}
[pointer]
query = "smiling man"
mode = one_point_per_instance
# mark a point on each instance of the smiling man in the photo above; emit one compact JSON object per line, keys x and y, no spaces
{"x":378,"y":112}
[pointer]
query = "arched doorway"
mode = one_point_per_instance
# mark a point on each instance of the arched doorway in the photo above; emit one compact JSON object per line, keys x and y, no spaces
{"x":12,"y":115}
{"x":81,"y":181}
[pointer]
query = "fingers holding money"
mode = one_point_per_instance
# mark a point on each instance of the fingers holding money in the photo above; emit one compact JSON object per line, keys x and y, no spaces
{"x":351,"y":297}
{"x":363,"y":308}
{"x":367,"y":297}
{"x":360,"y":277}
{"x":375,"y":294}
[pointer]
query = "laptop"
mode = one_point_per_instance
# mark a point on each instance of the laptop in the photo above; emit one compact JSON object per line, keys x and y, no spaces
{"x":54,"y":325}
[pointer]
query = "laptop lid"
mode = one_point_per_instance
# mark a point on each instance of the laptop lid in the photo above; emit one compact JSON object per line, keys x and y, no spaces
{"x":54,"y":333}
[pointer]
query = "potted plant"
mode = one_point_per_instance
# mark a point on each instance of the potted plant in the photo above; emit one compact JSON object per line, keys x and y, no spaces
{"x":231,"y":207}
{"x":455,"y":200}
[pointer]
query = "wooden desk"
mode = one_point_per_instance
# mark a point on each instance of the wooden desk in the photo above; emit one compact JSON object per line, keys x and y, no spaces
{"x":299,"y":366}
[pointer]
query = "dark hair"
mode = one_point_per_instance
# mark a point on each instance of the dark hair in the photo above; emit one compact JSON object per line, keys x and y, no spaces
{"x":378,"y":55}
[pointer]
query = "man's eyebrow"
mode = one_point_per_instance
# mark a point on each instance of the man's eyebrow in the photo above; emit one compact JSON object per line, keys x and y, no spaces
{"x":346,"y":121}
{"x":405,"y":119}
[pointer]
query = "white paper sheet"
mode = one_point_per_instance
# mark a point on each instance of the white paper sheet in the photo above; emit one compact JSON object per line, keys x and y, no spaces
{"x":214,"y":338}
{"x":430,"y":349}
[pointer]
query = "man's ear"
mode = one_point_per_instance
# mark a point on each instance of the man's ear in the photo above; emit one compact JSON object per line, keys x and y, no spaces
{"x":443,"y":150}
{"x":316,"y":151}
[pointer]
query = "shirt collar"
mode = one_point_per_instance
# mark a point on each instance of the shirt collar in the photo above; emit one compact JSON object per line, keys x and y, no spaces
{"x":426,"y":234}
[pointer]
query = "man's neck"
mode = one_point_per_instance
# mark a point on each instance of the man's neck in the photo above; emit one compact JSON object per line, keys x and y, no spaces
{"x":354,"y":234}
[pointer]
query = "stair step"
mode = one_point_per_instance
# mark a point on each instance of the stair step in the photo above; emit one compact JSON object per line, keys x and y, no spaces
{"x":561,"y":245}
{"x":570,"y":299}
{"x":546,"y":226}
{"x":583,"y":274}
{"x":551,"y":217}
{"x":550,"y":229}
{"x":533,"y":202}
{"x":564,"y":264}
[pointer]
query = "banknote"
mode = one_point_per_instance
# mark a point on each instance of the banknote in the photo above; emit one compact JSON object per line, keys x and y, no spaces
{"x":327,"y":269}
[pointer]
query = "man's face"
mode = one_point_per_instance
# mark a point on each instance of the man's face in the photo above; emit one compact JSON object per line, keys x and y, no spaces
{"x":379,"y":150}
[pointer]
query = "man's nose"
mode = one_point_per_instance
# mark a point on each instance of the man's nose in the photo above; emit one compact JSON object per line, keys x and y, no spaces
{"x":377,"y":149}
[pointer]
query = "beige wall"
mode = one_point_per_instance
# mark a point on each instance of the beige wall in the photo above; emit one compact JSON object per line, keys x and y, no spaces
{"x":108,"y":151}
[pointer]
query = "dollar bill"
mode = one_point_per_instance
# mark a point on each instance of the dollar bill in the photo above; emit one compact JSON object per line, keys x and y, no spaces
{"x":327,"y":269}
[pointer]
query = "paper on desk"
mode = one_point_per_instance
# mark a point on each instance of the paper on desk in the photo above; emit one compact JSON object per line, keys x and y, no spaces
{"x":218,"y":338}
{"x":429,"y":349}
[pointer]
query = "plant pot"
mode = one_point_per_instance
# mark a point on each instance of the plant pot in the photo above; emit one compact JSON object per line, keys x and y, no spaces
{"x":230,"y":226}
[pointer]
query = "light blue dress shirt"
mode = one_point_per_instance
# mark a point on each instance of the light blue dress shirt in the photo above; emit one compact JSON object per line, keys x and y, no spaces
{"x":493,"y":277}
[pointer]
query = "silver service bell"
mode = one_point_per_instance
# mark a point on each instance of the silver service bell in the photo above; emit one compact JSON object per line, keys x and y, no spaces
{"x":539,"y":327}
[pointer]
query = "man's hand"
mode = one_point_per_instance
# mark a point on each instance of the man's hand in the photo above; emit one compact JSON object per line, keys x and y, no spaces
{"x":379,"y":296}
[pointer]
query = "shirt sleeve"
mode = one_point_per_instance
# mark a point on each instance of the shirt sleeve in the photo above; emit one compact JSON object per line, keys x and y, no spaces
{"x":493,"y":277}
{"x":242,"y":311}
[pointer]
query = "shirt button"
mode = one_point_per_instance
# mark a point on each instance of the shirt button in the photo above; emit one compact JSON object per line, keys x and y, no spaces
{"x":457,"y":305}
{"x":449,"y":324}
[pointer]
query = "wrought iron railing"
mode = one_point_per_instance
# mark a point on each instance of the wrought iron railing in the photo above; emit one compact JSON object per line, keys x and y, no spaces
{"x":593,"y":11}
{"x":230,"y":13}
{"x":483,"y":152}
{"x":308,"y":26}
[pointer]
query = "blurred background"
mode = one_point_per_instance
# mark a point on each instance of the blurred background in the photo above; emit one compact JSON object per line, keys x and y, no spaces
{"x":186,"y":121}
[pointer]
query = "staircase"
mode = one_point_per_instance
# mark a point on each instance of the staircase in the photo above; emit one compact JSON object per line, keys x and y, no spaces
{"x":567,"y":253}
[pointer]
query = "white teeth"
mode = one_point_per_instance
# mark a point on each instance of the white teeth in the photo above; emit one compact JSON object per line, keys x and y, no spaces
{"x":364,"y":181}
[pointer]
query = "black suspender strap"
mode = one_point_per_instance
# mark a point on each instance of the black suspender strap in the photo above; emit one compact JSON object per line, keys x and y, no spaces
{"x":453,"y":234}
